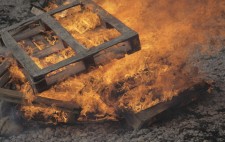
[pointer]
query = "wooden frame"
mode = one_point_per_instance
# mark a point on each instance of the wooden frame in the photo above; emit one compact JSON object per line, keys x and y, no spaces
{"x":84,"y":57}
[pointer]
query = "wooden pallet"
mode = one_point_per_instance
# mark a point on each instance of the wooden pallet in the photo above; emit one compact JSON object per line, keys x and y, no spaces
{"x":152,"y":114}
{"x":128,"y":42}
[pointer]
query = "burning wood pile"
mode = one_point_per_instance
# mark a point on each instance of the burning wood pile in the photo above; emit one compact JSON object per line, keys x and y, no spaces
{"x":52,"y":65}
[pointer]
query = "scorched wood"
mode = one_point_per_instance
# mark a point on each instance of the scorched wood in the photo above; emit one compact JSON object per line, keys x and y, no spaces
{"x":4,"y":73}
{"x":29,"y":33}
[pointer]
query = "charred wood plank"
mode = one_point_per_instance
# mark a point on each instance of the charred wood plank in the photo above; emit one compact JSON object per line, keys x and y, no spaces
{"x":29,"y":33}
{"x":4,"y":78}
{"x":69,"y":71}
{"x":4,"y":66}
{"x":147,"y":117}
{"x":115,"y":52}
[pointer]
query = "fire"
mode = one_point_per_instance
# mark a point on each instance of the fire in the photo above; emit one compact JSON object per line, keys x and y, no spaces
{"x":50,"y":115}
{"x":85,"y":26}
{"x":171,"y":33}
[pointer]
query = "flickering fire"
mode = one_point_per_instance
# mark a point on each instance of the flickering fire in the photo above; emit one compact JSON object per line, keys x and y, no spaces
{"x":171,"y":33}
{"x":85,"y":26}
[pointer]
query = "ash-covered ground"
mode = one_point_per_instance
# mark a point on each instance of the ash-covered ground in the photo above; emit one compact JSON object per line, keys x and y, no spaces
{"x":200,"y":121}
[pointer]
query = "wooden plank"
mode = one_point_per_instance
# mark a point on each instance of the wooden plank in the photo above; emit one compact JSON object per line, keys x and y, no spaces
{"x":147,"y":117}
{"x":20,"y":54}
{"x":69,"y":71}
{"x":4,"y":78}
{"x":50,"y":50}
{"x":11,"y":96}
{"x":63,"y":34}
{"x":29,"y":33}
{"x":115,"y":52}
{"x":4,"y":66}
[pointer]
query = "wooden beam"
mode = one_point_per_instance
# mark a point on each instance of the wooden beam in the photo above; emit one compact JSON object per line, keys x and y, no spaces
{"x":4,"y":78}
{"x":69,"y":71}
{"x":115,"y":52}
{"x":29,"y":33}
{"x":4,"y":66}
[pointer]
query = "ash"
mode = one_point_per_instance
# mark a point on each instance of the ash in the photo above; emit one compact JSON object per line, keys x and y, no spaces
{"x":201,"y":121}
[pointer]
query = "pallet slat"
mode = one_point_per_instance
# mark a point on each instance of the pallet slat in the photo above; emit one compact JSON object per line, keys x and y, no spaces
{"x":29,"y":33}
{"x":4,"y":78}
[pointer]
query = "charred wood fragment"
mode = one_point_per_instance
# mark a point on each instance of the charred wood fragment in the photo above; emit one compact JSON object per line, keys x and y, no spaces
{"x":29,"y":33}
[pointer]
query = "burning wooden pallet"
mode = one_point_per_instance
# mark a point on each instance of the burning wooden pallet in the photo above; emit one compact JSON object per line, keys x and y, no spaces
{"x":134,"y":120}
{"x":42,"y":78}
